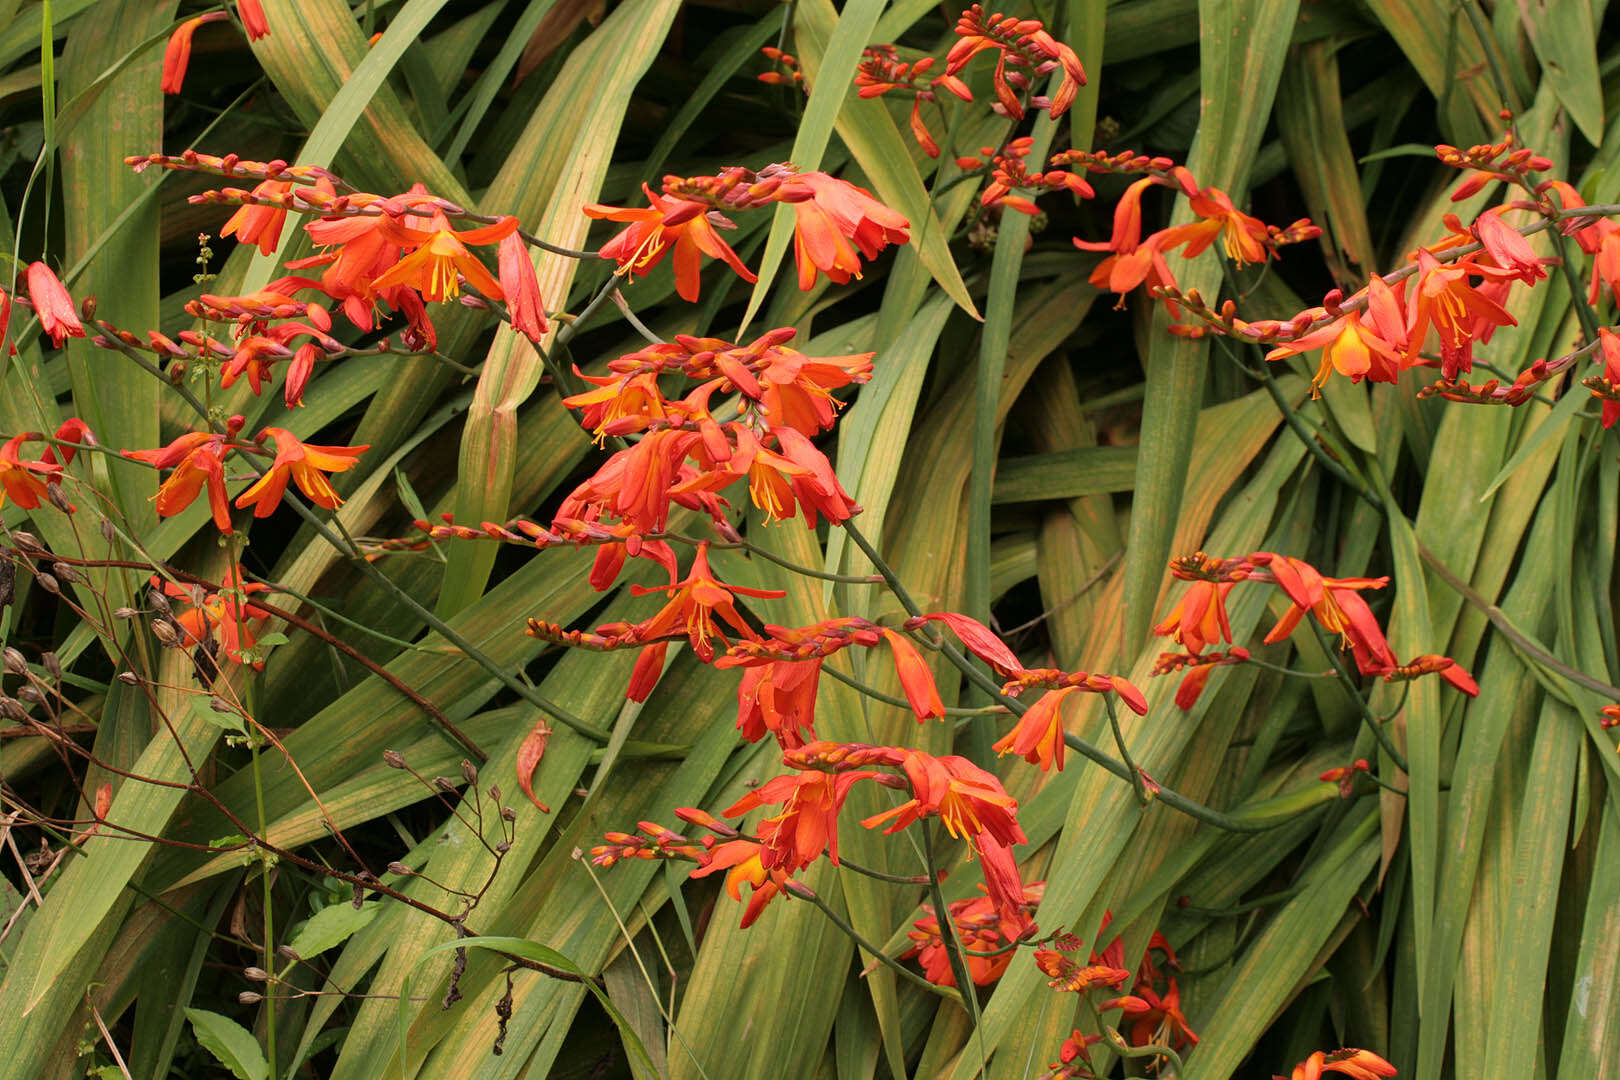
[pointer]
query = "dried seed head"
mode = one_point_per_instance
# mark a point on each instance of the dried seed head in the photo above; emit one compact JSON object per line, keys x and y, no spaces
{"x":393,"y":759}
{"x":28,"y":542}
{"x":129,"y":678}
{"x":255,"y":974}
{"x":47,"y":582}
{"x":53,"y":492}
{"x":495,"y":792}
{"x":508,"y":814}
{"x":165,"y":632}
{"x":286,"y":952}
{"x":51,"y":664}
{"x":15,"y":662}
{"x":398,"y":868}
{"x":66,"y":572}
{"x":125,"y":613}
{"x":469,"y":772}
{"x":503,"y":847}
{"x":444,"y":783}
{"x":157,"y":601}
{"x":108,"y":532}
{"x":248,"y":997}
{"x":13,"y":710}
{"x":30,"y":692}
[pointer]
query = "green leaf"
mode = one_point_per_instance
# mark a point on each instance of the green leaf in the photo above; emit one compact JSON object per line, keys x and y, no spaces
{"x":330,"y":926}
{"x":231,"y":1043}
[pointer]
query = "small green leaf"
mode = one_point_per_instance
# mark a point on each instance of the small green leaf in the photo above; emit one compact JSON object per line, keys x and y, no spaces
{"x":328,"y":927}
{"x":230,"y":1042}
{"x":205,"y":711}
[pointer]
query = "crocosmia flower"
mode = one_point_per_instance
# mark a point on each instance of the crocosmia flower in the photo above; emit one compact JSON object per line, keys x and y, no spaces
{"x":303,"y":464}
{"x":660,"y":226}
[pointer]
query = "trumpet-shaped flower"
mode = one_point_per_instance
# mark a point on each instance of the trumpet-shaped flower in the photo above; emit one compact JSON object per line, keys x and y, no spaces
{"x":261,"y":225}
{"x":970,"y":802}
{"x":662,"y":225}
{"x":1038,"y":735}
{"x":1369,"y":344}
{"x":741,"y":860}
{"x":53,"y":304}
{"x":303,"y":464}
{"x":440,"y":258}
{"x":833,"y":221}
{"x":1356,"y":1064}
{"x":198,"y":460}
{"x":779,"y":698}
{"x":1442,"y":299}
{"x":808,"y":824}
{"x":177,"y":53}
{"x":1337,"y":605}
{"x":693,"y":605}
{"x":1199,"y":617}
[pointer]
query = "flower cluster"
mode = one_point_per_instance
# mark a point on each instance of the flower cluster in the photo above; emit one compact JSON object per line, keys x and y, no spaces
{"x":1199,"y":619}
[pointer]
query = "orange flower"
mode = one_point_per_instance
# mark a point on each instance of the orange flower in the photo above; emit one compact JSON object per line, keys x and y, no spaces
{"x":664,"y":224}
{"x":693,"y":605}
{"x":254,"y":224}
{"x":440,"y":254}
{"x":22,"y":480}
{"x":253,"y":21}
{"x":1027,"y":46}
{"x":523,"y":303}
{"x":741,"y":861}
{"x":979,"y":927}
{"x":808,"y":824}
{"x":305,"y":465}
{"x":198,"y":459}
{"x":1337,"y":606}
{"x":53,"y":304}
{"x":1356,"y":1064}
{"x":1038,"y":736}
{"x":779,"y":698}
{"x":1429,"y":664}
{"x":980,"y":640}
{"x":177,"y":54}
{"x":227,"y":609}
{"x":1609,"y":343}
{"x":1369,"y":344}
{"x":1445,"y":301}
{"x":1244,"y":239}
{"x":1154,"y":1019}
{"x":969,"y":801}
{"x":831,"y":215}
{"x":1199,"y":618}
{"x":915,"y":678}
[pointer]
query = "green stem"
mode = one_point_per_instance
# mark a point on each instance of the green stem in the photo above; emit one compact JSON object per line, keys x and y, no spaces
{"x":876,"y":951}
{"x":1349,"y":683}
{"x":954,"y":949}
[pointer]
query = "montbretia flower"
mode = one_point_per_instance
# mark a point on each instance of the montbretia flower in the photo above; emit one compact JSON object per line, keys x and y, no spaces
{"x":779,"y":699}
{"x":655,"y":229}
{"x":1361,"y":344}
{"x":1429,"y":664}
{"x":1244,"y":239}
{"x":303,"y":464}
{"x":694,"y":603}
{"x":1345,"y":776}
{"x":25,"y":481}
{"x":1609,"y":343}
{"x":53,"y":304}
{"x":1442,"y":299}
{"x":1038,"y":735}
{"x":177,"y":54}
{"x":1337,"y":605}
{"x":968,"y":801}
{"x":1024,"y":45}
{"x":808,"y":823}
{"x":261,"y":225}
{"x":524,"y":305}
{"x":1198,"y":669}
{"x":227,"y":609}
{"x":1153,"y":1019}
{"x":740,"y":859}
{"x":1356,"y":1064}
{"x":981,"y":929}
{"x":251,"y":12}
{"x":440,"y":254}
{"x":198,"y":460}
{"x":1199,"y":617}
{"x":833,"y":220}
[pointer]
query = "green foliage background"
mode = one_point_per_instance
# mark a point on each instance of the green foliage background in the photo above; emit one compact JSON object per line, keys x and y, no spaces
{"x":1044,"y":461}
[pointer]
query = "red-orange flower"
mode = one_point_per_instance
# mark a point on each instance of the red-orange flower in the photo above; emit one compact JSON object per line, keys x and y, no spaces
{"x":261,"y":225}
{"x":24,"y":481}
{"x":740,"y":859}
{"x":1154,"y":1019}
{"x":53,"y":304}
{"x":779,"y":698}
{"x":524,"y":305}
{"x":226,"y":609}
{"x":440,"y":255}
{"x":1430,"y":664}
{"x":177,"y":54}
{"x":808,"y":823}
{"x":915,"y":678}
{"x":1245,"y":239}
{"x":656,"y":228}
{"x":694,"y":602}
{"x":980,"y":928}
{"x":198,"y":459}
{"x":1038,"y":736}
{"x":1443,"y":300}
{"x":833,"y":219}
{"x":251,"y":12}
{"x":1609,"y":343}
{"x":1361,"y":344}
{"x":303,"y":464}
{"x":1199,"y":617}
{"x":969,"y":801}
{"x":1356,"y":1064}
{"x":1337,"y":605}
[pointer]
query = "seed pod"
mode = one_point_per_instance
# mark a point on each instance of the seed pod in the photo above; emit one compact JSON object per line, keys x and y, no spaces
{"x":248,"y":997}
{"x":444,"y":784}
{"x":51,"y":664}
{"x":129,"y":678}
{"x":13,"y":710}
{"x":53,"y":492}
{"x":469,"y":772}
{"x":15,"y":662}
{"x":30,"y":692}
{"x":255,"y":974}
{"x":393,"y":759}
{"x":157,"y":601}
{"x":398,"y":868}
{"x":28,"y":542}
{"x":108,"y":532}
{"x":67,"y":573}
{"x":165,"y":632}
{"x":125,"y":613}
{"x":47,"y":582}
{"x":502,"y":848}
